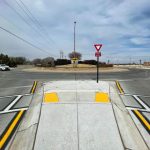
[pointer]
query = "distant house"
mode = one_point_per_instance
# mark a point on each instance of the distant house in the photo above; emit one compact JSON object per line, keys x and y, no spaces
{"x":46,"y":62}
{"x":146,"y":63}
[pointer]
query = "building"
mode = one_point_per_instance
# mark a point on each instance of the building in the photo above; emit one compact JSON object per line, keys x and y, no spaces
{"x":146,"y":63}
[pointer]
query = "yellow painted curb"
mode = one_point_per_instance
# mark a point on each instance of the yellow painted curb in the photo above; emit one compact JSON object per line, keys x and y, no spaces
{"x":142,"y":119}
{"x":102,"y":97}
{"x":10,"y":129}
{"x":119,"y":87}
{"x":51,"y":98}
{"x":33,"y":87}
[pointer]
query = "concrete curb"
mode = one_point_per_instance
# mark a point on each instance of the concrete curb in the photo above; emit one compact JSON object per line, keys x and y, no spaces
{"x":26,"y":133}
{"x":130,"y":135}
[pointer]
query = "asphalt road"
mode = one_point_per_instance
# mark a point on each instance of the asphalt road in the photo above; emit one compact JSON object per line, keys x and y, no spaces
{"x":16,"y":77}
{"x":15,"y":82}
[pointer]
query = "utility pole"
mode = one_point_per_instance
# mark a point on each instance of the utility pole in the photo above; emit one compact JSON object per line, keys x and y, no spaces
{"x":108,"y":61}
{"x":140,"y":61}
{"x":61,"y":54}
{"x":74,"y":38}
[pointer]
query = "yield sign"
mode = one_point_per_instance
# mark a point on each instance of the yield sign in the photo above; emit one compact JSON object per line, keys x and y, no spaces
{"x":98,"y":46}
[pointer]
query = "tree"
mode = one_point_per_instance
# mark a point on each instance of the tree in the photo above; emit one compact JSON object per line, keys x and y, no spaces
{"x":37,"y":61}
{"x":62,"y":62}
{"x":75,"y":55}
{"x":20,"y":60}
{"x":48,"y":62}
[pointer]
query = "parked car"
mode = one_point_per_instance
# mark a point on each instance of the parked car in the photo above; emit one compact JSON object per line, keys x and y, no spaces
{"x":4,"y":67}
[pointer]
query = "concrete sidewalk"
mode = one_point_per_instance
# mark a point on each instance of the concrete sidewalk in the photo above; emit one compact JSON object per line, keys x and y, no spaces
{"x":79,"y":115}
{"x":74,"y":116}
{"x":77,"y":121}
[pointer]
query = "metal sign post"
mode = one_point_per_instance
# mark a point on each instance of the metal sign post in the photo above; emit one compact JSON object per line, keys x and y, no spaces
{"x":98,"y":54}
{"x":97,"y":69}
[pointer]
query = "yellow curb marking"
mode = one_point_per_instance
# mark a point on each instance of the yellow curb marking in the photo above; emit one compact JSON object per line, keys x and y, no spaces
{"x":10,"y":129}
{"x":102,"y":97}
{"x":119,"y":87}
{"x":33,"y":87}
{"x":51,"y":98}
{"x":142,"y":119}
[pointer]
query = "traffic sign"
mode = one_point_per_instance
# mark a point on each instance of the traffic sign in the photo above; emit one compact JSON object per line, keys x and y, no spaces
{"x":97,"y":54}
{"x":98,"y":46}
{"x":75,"y":59}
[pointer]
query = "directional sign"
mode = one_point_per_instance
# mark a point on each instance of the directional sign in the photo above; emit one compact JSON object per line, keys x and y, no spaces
{"x":97,"y":54}
{"x":98,"y":46}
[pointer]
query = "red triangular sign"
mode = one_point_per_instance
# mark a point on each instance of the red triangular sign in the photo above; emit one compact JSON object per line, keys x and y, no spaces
{"x":98,"y":46}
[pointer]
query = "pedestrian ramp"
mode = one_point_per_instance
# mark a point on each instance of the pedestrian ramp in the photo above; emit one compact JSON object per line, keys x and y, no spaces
{"x":77,"y":115}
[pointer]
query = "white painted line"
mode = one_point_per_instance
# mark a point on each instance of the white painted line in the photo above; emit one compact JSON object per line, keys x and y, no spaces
{"x":13,"y":110}
{"x":15,"y":95}
{"x":74,"y":102}
{"x":132,"y":108}
{"x":141,"y":102}
{"x":14,"y":101}
{"x":72,"y":90}
{"x":134,"y":94}
{"x":16,"y":87}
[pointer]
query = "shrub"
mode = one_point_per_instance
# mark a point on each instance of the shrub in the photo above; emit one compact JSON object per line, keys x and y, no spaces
{"x":62,"y":62}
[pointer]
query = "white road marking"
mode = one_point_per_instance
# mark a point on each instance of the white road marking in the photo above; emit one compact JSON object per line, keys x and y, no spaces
{"x":134,"y":94}
{"x":14,"y":101}
{"x":72,"y":90}
{"x":141,"y":102}
{"x":74,"y":102}
{"x":133,"y":108}
{"x":17,"y":87}
{"x":13,"y":110}
{"x":15,"y":95}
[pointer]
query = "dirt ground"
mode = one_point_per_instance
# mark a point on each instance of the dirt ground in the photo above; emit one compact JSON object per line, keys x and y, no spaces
{"x":70,"y":68}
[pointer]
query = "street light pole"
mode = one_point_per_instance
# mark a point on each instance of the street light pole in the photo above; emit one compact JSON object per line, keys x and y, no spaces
{"x":74,"y":37}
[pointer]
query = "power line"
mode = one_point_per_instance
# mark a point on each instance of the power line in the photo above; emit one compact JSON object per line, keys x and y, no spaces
{"x":22,"y":39}
{"x":33,"y":18}
{"x":22,"y":19}
{"x":30,"y":16}
{"x":17,"y":27}
{"x":17,"y":13}
{"x":24,"y":11}
{"x":30,"y":25}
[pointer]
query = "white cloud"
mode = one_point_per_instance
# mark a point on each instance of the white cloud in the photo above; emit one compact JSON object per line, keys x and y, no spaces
{"x":117,"y":24}
{"x":140,"y":41}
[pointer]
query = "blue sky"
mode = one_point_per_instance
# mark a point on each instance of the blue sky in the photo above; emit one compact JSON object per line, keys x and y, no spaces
{"x":122,"y":26}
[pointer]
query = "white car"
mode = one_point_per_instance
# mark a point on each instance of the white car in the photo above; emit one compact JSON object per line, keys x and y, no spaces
{"x":4,"y":67}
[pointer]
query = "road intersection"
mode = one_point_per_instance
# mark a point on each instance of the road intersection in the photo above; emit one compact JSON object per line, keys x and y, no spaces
{"x":17,"y":89}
